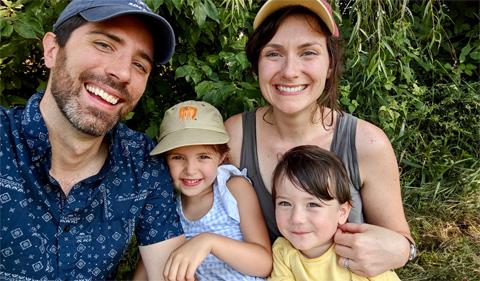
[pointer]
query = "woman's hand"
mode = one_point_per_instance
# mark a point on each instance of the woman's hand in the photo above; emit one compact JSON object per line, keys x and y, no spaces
{"x":371,"y":249}
{"x":184,"y":261}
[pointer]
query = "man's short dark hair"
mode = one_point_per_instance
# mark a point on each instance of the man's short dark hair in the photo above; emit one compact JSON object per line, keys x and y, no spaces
{"x":64,"y":31}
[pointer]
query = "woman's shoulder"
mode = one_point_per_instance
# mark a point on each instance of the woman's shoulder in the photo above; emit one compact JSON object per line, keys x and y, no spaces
{"x":370,"y":138}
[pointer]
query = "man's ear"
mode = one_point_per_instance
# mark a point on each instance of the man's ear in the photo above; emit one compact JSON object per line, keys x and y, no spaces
{"x":344,"y":211}
{"x":50,"y":49}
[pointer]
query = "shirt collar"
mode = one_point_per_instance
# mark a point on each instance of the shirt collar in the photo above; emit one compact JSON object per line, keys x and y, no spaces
{"x":34,"y":128}
{"x":36,"y":132}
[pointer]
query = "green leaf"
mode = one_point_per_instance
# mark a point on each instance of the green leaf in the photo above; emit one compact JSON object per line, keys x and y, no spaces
{"x":211,"y":11}
{"x":7,"y":30}
{"x":465,"y":51}
{"x":25,"y":30}
{"x":200,"y":14}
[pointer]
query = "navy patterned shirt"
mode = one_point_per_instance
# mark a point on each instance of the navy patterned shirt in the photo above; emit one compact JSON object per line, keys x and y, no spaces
{"x":45,"y":235}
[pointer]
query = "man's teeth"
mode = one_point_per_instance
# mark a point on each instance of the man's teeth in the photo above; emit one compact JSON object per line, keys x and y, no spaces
{"x":101,"y":93}
{"x":291,"y":89}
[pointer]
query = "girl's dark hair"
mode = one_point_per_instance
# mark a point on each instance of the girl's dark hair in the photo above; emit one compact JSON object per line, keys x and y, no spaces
{"x":221,"y":148}
{"x":64,"y":31}
{"x":267,"y":29}
{"x":313,"y":170}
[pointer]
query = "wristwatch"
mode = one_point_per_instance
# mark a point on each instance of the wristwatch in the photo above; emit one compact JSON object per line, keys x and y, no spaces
{"x":413,"y":251}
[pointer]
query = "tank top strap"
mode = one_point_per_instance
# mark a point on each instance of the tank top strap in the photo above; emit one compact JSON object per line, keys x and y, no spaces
{"x":343,"y":144}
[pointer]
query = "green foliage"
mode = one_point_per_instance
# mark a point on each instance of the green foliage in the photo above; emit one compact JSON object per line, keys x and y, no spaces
{"x":411,"y":67}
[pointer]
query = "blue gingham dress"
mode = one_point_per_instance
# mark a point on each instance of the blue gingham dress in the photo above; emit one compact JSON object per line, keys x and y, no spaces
{"x":223,"y":219}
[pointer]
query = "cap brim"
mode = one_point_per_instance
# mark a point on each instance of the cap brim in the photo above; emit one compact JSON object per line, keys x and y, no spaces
{"x":163,"y":35}
{"x":188,"y":137}
{"x":316,"y":6}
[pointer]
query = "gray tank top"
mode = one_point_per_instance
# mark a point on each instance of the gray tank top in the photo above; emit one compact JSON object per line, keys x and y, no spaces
{"x":343,"y":144}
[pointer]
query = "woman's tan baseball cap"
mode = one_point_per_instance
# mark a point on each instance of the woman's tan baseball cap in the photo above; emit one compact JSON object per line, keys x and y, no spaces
{"x":319,"y":7}
{"x":190,"y":123}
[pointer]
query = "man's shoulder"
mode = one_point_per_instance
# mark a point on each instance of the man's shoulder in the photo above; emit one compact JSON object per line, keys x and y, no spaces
{"x":132,"y":139}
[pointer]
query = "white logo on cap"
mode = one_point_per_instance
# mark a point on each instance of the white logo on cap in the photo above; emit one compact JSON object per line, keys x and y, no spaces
{"x":139,"y":5}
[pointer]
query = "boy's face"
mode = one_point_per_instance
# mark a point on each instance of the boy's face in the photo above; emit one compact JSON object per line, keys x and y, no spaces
{"x":194,"y":168}
{"x":304,"y":220}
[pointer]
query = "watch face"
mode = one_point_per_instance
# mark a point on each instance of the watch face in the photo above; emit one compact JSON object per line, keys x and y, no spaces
{"x":413,"y":252}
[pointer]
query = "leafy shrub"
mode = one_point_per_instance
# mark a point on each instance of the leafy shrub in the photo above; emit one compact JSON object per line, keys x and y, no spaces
{"x":411,"y":67}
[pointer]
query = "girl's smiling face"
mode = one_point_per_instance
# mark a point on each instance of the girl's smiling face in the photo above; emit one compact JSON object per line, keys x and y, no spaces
{"x":194,"y":168}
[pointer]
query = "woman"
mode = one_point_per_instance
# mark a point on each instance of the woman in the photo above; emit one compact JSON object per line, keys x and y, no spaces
{"x":294,"y":51}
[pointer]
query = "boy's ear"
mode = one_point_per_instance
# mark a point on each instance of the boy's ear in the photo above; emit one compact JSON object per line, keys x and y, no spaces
{"x":344,"y":211}
{"x":50,"y":49}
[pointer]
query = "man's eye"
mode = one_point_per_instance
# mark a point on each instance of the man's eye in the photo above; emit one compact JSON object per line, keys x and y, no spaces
{"x":103,"y":45}
{"x":140,"y":67}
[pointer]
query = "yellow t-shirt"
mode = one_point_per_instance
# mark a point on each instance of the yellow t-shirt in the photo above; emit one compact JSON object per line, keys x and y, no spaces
{"x":291,"y":264}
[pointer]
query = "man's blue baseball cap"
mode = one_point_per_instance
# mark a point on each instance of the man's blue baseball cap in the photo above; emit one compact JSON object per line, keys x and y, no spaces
{"x":100,"y":10}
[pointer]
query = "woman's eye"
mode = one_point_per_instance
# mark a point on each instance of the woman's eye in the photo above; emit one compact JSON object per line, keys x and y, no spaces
{"x":272,"y":54}
{"x":203,"y":157}
{"x":309,"y":53}
{"x":175,"y":157}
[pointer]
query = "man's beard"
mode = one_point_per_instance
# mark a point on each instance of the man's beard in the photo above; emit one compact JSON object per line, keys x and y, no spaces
{"x":66,"y":92}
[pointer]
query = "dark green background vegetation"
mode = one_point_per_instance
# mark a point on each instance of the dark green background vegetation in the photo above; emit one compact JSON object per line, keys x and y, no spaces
{"x":411,"y":67}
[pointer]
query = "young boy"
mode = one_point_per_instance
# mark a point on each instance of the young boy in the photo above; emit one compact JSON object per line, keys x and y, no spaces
{"x":311,"y":198}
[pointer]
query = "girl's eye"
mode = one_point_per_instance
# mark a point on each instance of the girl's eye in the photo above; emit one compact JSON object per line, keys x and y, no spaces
{"x":205,"y":156}
{"x":175,"y":157}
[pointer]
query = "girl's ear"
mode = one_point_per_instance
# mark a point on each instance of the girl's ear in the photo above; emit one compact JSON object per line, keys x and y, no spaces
{"x":223,"y":157}
{"x":344,"y":211}
{"x":50,"y":49}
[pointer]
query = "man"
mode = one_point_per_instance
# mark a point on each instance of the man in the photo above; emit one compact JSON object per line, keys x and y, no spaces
{"x":75,"y":184}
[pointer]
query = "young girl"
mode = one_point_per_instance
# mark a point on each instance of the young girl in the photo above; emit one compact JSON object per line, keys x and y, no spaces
{"x":312,"y":198}
{"x":218,"y":208}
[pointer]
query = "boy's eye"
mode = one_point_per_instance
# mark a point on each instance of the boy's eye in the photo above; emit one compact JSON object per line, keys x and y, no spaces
{"x":313,"y":205}
{"x":283,"y":203}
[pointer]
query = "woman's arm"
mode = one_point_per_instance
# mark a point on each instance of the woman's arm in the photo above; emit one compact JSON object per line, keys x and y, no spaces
{"x":381,"y":244}
{"x":252,"y":256}
{"x":234,"y":128}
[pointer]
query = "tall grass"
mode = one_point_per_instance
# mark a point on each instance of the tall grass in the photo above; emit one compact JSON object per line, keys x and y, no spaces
{"x":412,"y":67}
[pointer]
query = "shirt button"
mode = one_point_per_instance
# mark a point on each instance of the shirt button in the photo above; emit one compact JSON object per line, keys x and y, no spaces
{"x":66,"y":228}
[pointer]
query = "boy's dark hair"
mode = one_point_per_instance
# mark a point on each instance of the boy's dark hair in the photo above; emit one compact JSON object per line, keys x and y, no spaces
{"x":267,"y":29}
{"x":313,"y":170}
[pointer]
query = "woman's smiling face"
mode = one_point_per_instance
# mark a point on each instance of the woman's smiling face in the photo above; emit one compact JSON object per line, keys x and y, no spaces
{"x":294,"y":65}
